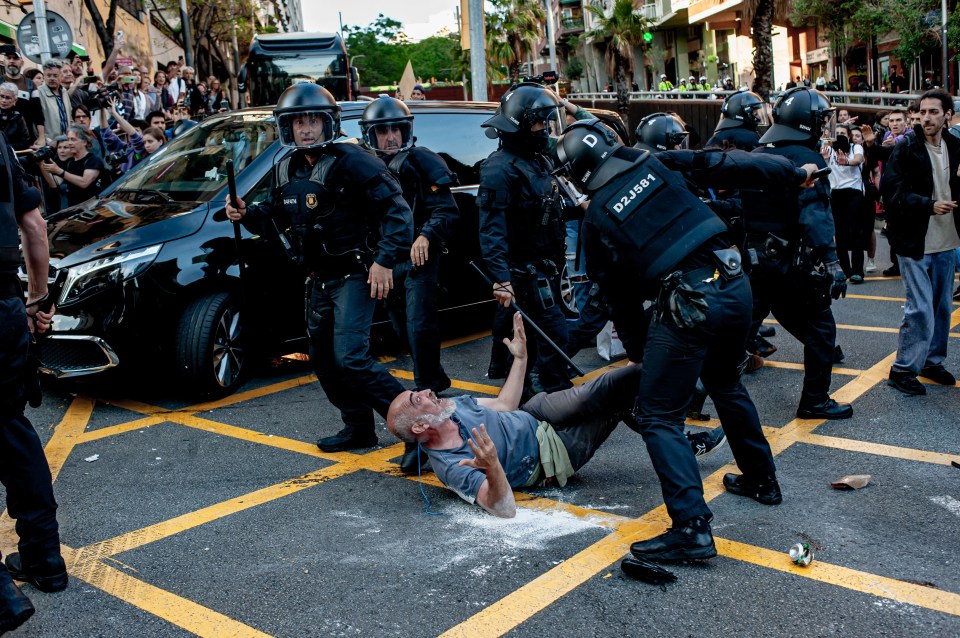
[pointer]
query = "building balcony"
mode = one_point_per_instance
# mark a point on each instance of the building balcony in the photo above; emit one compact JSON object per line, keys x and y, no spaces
{"x":651,"y":11}
{"x":570,"y":26}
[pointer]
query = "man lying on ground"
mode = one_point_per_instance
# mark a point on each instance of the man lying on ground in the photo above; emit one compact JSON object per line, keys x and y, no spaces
{"x":543,"y":442}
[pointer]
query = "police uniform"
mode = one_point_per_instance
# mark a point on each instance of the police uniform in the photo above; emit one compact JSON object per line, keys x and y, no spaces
{"x":426,"y":183}
{"x":522,"y":240}
{"x":24,"y":471}
{"x":741,"y":138}
{"x":647,"y":236}
{"x":337,"y":217}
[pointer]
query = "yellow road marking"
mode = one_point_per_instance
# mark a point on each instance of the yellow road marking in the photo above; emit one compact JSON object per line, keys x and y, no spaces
{"x":123,"y":428}
{"x":879,"y":449}
{"x":477,"y":336}
{"x":482,"y":388}
{"x":876,"y":298}
{"x":174,"y":609}
{"x":67,"y":434}
{"x":789,"y":365}
{"x":858,"y":581}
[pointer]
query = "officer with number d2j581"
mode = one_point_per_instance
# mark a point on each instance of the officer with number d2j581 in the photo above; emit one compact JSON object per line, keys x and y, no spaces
{"x":646,"y":236}
{"x":340,"y":214}
{"x":522,"y":232}
{"x":794,"y":269}
{"x":24,"y":471}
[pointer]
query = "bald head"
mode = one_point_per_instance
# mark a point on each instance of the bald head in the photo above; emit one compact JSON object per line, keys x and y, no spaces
{"x":401,"y":417}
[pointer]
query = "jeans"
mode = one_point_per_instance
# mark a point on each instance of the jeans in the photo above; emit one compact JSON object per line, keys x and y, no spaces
{"x":24,"y":471}
{"x":926,"y":314}
{"x":413,"y":311}
{"x":585,"y":415}
{"x":339,"y":315}
{"x":673,"y":359}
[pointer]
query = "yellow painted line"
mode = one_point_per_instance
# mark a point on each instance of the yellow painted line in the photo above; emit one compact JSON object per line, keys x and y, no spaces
{"x":862,"y":582}
{"x":123,"y":428}
{"x":68,"y":432}
{"x":173,"y":526}
{"x":482,"y":388}
{"x":876,"y":298}
{"x":255,"y":393}
{"x":261,"y":438}
{"x":477,"y":336}
{"x":590,"y":376}
{"x":789,"y":365}
{"x":866,"y":447}
{"x":153,"y":600}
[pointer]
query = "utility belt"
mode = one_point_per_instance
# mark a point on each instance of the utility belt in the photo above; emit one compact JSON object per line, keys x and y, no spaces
{"x":686,"y":305}
{"x":770,"y":247}
{"x":326,"y":272}
{"x":534,"y":269}
{"x":538,"y":276}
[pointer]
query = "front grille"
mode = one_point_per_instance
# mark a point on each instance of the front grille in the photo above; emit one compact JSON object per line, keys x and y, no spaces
{"x":70,"y":356}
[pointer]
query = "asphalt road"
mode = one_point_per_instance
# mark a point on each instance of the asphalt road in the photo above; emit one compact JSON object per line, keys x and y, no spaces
{"x":224,"y":519}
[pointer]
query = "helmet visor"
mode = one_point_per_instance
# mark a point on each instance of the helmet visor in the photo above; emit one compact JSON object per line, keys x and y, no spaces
{"x":762,"y":115}
{"x":306,"y":129}
{"x":388,"y":137}
{"x":829,"y":131}
{"x":549,"y":117}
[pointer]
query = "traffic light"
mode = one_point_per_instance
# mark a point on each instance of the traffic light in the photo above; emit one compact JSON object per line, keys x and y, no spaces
{"x":647,"y":37}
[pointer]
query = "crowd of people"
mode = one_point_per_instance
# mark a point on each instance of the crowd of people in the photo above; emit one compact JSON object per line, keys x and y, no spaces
{"x":716,"y":239}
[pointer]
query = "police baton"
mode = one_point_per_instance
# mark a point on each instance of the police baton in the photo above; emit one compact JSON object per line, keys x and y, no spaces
{"x":232,"y":187}
{"x":535,"y":327}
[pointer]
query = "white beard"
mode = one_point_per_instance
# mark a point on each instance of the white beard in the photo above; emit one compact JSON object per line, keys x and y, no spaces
{"x":446,"y":411}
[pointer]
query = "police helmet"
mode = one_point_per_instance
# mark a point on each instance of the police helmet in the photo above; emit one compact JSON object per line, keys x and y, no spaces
{"x":660,"y":132}
{"x":310,"y":104}
{"x":381,"y":115}
{"x":524,"y":105}
{"x":692,"y":80}
{"x":743,"y":109}
{"x":801,"y":115}
{"x":663,"y":76}
{"x":588,"y":153}
{"x":703,"y":79}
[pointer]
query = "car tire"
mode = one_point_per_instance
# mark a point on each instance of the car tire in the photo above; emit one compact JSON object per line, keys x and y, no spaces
{"x":567,"y":301}
{"x":210,"y":348}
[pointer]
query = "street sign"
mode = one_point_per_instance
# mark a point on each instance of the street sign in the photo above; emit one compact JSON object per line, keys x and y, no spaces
{"x":58,"y":30}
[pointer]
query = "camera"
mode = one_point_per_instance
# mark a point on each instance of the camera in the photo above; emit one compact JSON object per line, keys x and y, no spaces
{"x":547,"y":77}
{"x":42,"y":154}
{"x":842,"y":144}
{"x":116,"y":158}
{"x":100,"y":99}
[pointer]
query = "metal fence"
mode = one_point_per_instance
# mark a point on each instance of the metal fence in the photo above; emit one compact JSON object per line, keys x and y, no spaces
{"x":865,"y":101}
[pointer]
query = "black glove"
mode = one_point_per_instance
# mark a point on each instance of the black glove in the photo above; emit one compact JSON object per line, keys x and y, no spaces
{"x":839,"y":286}
{"x":687,"y":307}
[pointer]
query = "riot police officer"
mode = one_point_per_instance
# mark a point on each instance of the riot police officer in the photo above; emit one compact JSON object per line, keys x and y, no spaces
{"x":339,"y":214}
{"x":521,"y":226}
{"x":743,"y":117}
{"x":24,"y":471}
{"x":794,"y":267}
{"x":647,"y":236}
{"x":660,"y":132}
{"x":387,"y":129}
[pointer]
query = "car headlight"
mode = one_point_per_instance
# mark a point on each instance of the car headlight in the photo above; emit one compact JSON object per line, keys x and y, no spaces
{"x":93,"y":276}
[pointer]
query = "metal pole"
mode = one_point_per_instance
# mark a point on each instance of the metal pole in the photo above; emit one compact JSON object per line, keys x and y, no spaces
{"x":943,"y":42}
{"x":236,"y":56}
{"x":187,"y":37}
{"x":478,"y":58}
{"x":40,"y":13}
{"x":551,"y":37}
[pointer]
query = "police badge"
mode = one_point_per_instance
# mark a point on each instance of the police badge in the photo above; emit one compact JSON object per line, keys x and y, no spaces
{"x":311,"y":201}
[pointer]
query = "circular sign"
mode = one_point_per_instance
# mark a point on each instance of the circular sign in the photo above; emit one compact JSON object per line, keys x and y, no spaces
{"x":59,"y":34}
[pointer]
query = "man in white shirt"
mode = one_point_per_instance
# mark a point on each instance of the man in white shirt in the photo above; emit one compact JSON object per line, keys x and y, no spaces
{"x":845,"y":160}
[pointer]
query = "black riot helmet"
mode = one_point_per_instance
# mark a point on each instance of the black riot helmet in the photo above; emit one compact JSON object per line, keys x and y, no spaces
{"x":310,"y":104}
{"x":588,"y":152}
{"x":801,"y":115}
{"x":383,"y":113}
{"x":744,"y":109}
{"x":660,"y":132}
{"x":523,"y":106}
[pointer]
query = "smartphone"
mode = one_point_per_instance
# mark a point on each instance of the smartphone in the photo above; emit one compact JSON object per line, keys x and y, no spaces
{"x":126,"y":79}
{"x":84,"y":58}
{"x":89,"y":79}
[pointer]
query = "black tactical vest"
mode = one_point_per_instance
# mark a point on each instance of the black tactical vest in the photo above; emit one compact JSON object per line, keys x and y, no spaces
{"x":775,"y":209}
{"x":9,"y":231}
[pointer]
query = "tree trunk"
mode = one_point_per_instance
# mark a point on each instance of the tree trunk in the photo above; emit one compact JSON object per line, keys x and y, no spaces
{"x":623,"y":89}
{"x":105,"y":31}
{"x":762,"y":25}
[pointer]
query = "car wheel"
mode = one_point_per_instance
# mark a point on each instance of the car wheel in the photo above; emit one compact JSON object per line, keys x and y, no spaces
{"x":568,"y":302}
{"x":210,"y":345}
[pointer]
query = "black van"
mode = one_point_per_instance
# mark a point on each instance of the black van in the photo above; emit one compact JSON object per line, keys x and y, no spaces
{"x":150,"y":269}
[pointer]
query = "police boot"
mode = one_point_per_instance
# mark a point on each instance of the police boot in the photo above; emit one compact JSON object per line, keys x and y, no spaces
{"x":765,"y":490}
{"x":828,"y":409}
{"x":691,"y":540}
{"x":414,"y":460}
{"x":15,"y":607}
{"x":48,"y":574}
{"x":347,"y":439}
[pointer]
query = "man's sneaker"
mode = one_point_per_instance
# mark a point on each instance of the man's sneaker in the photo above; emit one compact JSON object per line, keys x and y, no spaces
{"x":765,"y":491}
{"x":15,"y":607}
{"x":690,"y":541}
{"x":938,"y":374}
{"x":856,"y":279}
{"x":763,"y":348}
{"x":892,"y":271}
{"x":767,"y":331}
{"x":706,"y":443}
{"x":906,"y":382}
{"x":828,"y":409}
{"x":347,"y":440}
{"x":870,"y":266}
{"x":48,"y":575}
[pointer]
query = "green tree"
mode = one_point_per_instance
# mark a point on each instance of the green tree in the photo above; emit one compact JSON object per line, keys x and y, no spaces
{"x":514,"y":28}
{"x":761,"y":14}
{"x":622,"y":30}
{"x":384,"y":58}
{"x":435,"y":56}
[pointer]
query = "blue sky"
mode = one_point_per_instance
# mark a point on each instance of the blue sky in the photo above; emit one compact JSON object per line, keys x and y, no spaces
{"x":421,"y":18}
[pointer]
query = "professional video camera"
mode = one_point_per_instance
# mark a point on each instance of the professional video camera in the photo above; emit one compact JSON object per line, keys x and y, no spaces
{"x":41,"y":154}
{"x":547,"y":77}
{"x":100,"y":99}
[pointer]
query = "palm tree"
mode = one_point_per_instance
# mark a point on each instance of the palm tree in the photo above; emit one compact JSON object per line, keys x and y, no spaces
{"x":622,"y":30}
{"x":761,"y":14}
{"x":519,"y":25}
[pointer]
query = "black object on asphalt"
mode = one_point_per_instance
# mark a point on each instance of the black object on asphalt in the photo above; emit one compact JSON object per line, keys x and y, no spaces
{"x":647,"y":571}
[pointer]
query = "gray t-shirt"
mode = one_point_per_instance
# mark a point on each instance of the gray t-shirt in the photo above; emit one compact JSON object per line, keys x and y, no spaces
{"x":942,"y":230}
{"x":514,"y":434}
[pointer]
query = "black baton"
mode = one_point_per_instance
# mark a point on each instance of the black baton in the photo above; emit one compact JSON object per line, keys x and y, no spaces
{"x":232,"y":187}
{"x":536,"y":328}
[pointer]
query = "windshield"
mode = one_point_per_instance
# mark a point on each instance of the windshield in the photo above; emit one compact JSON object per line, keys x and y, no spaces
{"x":193,"y":167}
{"x":270,"y":76}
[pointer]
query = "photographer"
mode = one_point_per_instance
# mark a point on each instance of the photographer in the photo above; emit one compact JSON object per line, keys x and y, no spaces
{"x":54,"y":188}
{"x":12,"y":122}
{"x":126,"y":153}
{"x":845,"y":160}
{"x":83,"y":171}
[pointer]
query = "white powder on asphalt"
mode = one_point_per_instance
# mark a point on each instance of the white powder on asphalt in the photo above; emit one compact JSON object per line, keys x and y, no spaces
{"x":949,"y":503}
